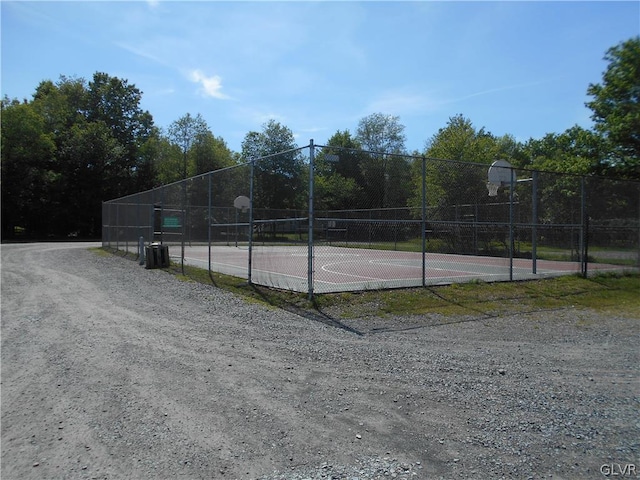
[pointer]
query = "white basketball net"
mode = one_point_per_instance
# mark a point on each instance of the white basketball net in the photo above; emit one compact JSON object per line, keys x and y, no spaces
{"x":493,"y":189}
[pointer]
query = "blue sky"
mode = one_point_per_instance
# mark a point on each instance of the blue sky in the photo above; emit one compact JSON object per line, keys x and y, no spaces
{"x":519,"y":68}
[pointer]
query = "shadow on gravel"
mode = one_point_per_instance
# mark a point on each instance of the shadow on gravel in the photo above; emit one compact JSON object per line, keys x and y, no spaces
{"x":318,"y":316}
{"x":451,"y":306}
{"x":454,"y":321}
{"x":389,"y":324}
{"x":315,"y":315}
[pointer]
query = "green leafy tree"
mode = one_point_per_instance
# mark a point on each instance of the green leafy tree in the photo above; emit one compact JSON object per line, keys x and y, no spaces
{"x":457,"y":160}
{"x":147,"y":169}
{"x":616,"y":109}
{"x":350,"y":155}
{"x":28,"y":175}
{"x":384,"y":172}
{"x":381,"y":133}
{"x":563,"y":160}
{"x":166,"y":157}
{"x":210,"y":153}
{"x":575,"y":151}
{"x":279,"y":173}
{"x":334,"y":192}
{"x":339,"y":184}
{"x":185,"y":133}
{"x":61,"y":104}
{"x":453,"y":178}
{"x":115,"y":103}
{"x":92,"y":159}
{"x":95,"y":134}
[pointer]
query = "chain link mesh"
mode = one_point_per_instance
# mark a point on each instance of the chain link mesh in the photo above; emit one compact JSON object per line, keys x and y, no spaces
{"x":366,"y":220}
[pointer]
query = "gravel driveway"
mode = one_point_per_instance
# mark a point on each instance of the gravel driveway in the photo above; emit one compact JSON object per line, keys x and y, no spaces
{"x":111,"y":371}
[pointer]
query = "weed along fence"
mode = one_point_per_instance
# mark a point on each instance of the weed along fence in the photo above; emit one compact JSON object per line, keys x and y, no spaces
{"x":323,"y":219}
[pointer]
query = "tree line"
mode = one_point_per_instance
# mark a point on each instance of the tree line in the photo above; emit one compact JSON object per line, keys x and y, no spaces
{"x":78,"y":143}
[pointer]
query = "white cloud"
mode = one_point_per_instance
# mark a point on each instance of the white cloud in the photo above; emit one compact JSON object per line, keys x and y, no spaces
{"x":403,"y":103}
{"x":141,"y":52}
{"x":498,"y":90}
{"x":209,"y":86}
{"x":410,"y":101}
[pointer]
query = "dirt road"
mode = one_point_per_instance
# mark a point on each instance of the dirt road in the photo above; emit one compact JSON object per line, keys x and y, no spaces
{"x":111,"y":371}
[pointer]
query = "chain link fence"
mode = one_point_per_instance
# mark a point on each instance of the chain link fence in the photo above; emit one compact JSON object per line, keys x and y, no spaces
{"x":324,"y":219}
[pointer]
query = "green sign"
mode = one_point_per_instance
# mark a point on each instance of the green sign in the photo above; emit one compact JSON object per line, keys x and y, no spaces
{"x":171,"y":222}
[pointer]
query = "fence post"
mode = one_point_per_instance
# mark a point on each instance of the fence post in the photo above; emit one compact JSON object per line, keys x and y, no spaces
{"x":586,"y":245}
{"x":310,"y":235}
{"x":105,"y":221}
{"x":152,"y":216}
{"x":638,"y":244}
{"x":583,"y":231}
{"x":251,"y":172}
{"x":126,"y":228}
{"x":511,"y":239}
{"x":209,"y":224}
{"x":117,"y":226}
{"x":139,"y":222}
{"x":184,"y":220}
{"x":141,"y":259}
{"x":534,"y":221}
{"x":424,"y":221}
{"x":161,"y":223}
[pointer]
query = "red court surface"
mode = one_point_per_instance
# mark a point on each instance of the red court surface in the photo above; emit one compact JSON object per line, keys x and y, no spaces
{"x":337,"y":269}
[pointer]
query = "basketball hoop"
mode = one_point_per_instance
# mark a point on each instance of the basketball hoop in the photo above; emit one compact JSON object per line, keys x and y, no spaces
{"x":242,"y":203}
{"x":500,"y":173}
{"x":493,"y":189}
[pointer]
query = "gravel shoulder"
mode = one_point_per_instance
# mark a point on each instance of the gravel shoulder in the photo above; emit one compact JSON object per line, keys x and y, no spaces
{"x":111,"y":371}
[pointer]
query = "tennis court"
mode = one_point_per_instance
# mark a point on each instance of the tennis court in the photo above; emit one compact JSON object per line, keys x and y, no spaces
{"x":337,"y":269}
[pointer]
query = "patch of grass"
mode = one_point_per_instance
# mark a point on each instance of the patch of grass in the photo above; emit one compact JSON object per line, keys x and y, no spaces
{"x":101,"y":251}
{"x":618,"y":294}
{"x":608,"y":293}
{"x":612,"y":294}
{"x":112,"y":251}
{"x":239,"y":286}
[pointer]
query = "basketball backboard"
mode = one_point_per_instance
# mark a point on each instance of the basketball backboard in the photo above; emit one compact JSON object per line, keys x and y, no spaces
{"x":500,"y":174}
{"x":242,"y":203}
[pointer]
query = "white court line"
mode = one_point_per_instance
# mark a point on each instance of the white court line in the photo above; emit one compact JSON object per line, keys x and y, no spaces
{"x":326,"y":265}
{"x":318,"y":255}
{"x":243,"y":269}
{"x":482,"y":267}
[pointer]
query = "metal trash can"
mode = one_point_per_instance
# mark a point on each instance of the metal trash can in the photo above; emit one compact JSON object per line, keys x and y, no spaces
{"x":156,"y":256}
